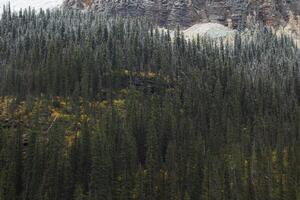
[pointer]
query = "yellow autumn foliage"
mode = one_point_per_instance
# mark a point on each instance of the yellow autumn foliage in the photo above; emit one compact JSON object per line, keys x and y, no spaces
{"x":148,"y":74}
{"x":124,"y":91}
{"x":54,"y":113}
{"x":274,"y":156}
{"x":245,"y":163}
{"x":84,"y":117}
{"x":134,"y":196}
{"x":63,"y":103}
{"x":70,"y":138}
{"x":103,"y":104}
{"x":119,"y":103}
{"x":140,"y":74}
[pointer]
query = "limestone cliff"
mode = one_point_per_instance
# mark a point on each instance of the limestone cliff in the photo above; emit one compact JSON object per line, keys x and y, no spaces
{"x":187,"y":12}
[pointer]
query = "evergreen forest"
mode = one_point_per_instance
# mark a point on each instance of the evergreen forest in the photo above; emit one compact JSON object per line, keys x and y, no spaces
{"x":98,"y":108}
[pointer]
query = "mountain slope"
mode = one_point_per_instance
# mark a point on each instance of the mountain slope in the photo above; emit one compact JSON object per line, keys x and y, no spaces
{"x":16,"y":5}
{"x":188,"y":12}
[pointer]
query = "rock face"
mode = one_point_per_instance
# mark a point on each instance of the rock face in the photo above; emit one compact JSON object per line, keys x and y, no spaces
{"x":187,"y":12}
{"x":211,"y":30}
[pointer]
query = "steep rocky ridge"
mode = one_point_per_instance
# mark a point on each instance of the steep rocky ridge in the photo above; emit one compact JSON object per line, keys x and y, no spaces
{"x":187,"y":12}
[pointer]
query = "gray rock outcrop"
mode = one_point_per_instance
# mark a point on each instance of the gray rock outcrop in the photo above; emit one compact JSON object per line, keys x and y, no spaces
{"x":187,"y":12}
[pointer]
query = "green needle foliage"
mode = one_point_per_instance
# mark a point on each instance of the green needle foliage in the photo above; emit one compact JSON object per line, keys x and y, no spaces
{"x":97,"y":108}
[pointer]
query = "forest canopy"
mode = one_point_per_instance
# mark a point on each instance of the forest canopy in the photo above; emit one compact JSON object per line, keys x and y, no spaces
{"x":113,"y":108}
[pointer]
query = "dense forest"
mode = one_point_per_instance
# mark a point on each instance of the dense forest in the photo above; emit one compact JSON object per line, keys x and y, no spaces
{"x":96,"y":108}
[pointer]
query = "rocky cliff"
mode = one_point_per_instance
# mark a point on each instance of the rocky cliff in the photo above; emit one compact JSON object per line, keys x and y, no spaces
{"x":187,"y":12}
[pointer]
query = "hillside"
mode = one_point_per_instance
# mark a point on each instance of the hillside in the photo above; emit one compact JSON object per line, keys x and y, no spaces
{"x":16,"y":5}
{"x":188,"y":12}
{"x":96,"y":108}
{"x":282,"y":16}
